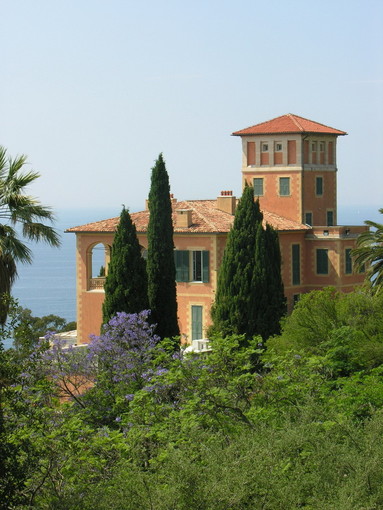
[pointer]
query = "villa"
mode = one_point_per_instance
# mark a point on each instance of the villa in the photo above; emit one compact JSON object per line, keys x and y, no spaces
{"x":291,"y":163}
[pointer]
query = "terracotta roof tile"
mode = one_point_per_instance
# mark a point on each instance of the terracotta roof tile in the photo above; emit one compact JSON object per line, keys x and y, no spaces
{"x":288,"y":123}
{"x":206,"y":218}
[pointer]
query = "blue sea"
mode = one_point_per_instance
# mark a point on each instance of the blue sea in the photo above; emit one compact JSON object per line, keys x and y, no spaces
{"x":48,"y":285}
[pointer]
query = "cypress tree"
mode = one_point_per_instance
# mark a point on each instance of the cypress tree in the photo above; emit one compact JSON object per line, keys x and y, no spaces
{"x":275,"y":288}
{"x":232,"y":312}
{"x":160,"y":263}
{"x":126,"y":287}
{"x":249,"y":298}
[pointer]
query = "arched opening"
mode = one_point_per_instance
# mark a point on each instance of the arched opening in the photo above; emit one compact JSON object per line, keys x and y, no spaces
{"x":98,"y":261}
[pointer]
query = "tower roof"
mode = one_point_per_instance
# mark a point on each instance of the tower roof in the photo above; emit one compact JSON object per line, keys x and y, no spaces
{"x":288,"y":123}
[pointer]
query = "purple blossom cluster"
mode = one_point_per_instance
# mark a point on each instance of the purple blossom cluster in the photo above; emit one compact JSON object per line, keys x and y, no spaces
{"x":126,"y":347}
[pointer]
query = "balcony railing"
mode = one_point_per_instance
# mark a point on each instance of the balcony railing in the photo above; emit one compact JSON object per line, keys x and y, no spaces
{"x":96,"y":283}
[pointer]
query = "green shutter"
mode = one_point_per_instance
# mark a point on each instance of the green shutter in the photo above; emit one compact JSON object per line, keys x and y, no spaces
{"x":296,"y":263}
{"x":196,"y":322}
{"x":348,"y":268}
{"x":205,"y":266}
{"x":181,"y":261}
{"x":322,"y":261}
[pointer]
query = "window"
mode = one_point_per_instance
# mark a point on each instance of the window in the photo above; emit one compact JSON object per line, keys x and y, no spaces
{"x":319,"y":186}
{"x":330,"y":218}
{"x":309,"y":218}
{"x":321,"y":153}
{"x":314,"y":153}
{"x":284,"y":186}
{"x":258,"y":186}
{"x":181,"y":261}
{"x":194,"y":267}
{"x":347,"y":261}
{"x":296,"y":264}
{"x":322,"y":261}
{"x":278,"y":155}
{"x":265,"y":147}
{"x":196,"y":314}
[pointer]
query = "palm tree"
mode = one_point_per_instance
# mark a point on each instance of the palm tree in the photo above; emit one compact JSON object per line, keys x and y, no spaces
{"x":369,"y":254}
{"x":19,"y":210}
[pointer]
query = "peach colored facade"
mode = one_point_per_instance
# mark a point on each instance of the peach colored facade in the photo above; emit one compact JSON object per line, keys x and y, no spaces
{"x":291,"y":162}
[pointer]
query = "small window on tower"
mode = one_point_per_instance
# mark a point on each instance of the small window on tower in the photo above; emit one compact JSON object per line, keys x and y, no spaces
{"x":258,"y":186}
{"x":284,"y":186}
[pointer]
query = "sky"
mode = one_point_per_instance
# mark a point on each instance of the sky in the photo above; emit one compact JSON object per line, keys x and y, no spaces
{"x":92,"y":91}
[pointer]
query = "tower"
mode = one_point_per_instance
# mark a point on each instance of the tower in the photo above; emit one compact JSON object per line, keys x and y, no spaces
{"x":291,"y":162}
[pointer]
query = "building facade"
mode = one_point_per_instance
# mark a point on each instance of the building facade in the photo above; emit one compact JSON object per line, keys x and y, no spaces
{"x":291,"y":163}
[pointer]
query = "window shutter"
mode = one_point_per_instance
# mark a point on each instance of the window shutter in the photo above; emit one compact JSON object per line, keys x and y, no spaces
{"x":205,"y":266}
{"x":181,"y":261}
{"x":196,"y":322}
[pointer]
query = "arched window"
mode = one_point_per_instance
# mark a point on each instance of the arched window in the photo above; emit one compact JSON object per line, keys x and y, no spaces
{"x":98,"y":261}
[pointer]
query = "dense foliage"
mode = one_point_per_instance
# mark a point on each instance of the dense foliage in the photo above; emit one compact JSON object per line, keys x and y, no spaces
{"x":160,"y":263}
{"x":126,"y":286}
{"x":128,"y":424}
{"x":250,"y":297}
{"x":17,"y":209}
{"x":369,"y":253}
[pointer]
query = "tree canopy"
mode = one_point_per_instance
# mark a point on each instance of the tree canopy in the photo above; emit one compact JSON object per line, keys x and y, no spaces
{"x":126,"y":288}
{"x":160,"y":262}
{"x":249,"y":298}
{"x":17,"y":209}
{"x":369,"y":254}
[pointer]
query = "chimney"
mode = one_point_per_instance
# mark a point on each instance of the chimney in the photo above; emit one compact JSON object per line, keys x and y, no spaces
{"x":183,"y":218}
{"x":226,"y":202}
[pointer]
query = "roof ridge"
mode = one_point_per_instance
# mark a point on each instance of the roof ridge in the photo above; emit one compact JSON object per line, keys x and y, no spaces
{"x":210,"y":223}
{"x":293,"y":117}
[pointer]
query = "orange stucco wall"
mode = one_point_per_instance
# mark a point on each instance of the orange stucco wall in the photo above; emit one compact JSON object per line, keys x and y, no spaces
{"x":89,"y":302}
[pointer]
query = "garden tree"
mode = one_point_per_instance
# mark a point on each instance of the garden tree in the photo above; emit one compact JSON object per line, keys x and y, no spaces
{"x":126,"y":288}
{"x":369,"y":253}
{"x":345,"y":328}
{"x":249,"y":298}
{"x":27,"y":329}
{"x":275,"y":295}
{"x":160,"y":262}
{"x":19,"y":209}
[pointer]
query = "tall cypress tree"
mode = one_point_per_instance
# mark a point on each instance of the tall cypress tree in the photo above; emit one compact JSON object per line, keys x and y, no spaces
{"x":160,"y":264}
{"x":126,"y":287}
{"x":249,"y":298}
{"x":274,"y":283}
{"x":232,"y":311}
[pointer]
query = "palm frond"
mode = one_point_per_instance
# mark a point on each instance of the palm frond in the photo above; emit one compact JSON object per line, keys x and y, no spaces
{"x":40,"y":232}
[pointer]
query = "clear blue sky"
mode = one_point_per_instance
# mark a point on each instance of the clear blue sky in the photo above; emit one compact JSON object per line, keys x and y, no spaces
{"x":93,"y":90}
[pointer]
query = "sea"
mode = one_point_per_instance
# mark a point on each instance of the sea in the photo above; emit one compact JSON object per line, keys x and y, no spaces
{"x":48,"y":285}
